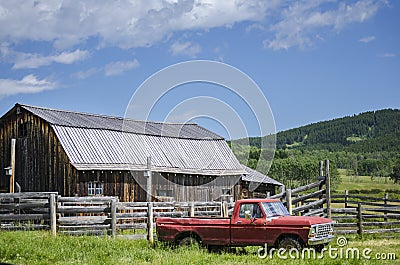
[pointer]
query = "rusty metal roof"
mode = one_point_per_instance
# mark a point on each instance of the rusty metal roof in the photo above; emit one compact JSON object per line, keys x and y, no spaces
{"x":95,"y":142}
{"x":258,"y":177}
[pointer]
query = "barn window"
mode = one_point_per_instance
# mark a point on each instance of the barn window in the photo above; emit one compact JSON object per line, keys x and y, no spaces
{"x":95,"y":188}
{"x":22,"y":129}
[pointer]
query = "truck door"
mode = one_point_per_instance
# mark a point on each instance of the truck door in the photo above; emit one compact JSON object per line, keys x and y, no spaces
{"x":248,"y":231}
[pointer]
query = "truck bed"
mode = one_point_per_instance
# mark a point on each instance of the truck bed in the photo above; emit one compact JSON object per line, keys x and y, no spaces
{"x":213,"y":231}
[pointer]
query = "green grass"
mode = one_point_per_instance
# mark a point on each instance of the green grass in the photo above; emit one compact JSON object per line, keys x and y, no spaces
{"x":36,"y":247}
{"x":365,"y":185}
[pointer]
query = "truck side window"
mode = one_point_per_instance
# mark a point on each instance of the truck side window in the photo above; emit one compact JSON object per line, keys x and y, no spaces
{"x":253,"y":208}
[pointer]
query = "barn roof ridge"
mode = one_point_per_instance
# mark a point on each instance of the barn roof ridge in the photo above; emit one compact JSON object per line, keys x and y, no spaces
{"x":102,"y":115}
{"x":73,"y":119}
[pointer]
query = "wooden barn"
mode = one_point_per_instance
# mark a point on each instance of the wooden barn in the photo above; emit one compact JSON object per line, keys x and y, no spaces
{"x":80,"y":154}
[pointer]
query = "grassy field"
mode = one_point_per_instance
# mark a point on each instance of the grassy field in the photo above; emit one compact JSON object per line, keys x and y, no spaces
{"x":366,"y":185}
{"x":28,"y":247}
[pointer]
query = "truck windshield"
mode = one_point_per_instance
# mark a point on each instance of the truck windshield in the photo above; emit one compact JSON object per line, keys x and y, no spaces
{"x":272,"y":209}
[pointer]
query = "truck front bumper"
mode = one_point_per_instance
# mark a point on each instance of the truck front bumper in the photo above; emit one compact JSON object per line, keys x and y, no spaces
{"x":318,"y":241}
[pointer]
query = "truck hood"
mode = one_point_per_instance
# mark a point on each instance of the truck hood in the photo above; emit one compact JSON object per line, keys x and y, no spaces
{"x":297,"y":220}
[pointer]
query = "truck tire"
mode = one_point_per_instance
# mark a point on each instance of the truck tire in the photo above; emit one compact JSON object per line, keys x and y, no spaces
{"x":289,"y":243}
{"x":189,"y":241}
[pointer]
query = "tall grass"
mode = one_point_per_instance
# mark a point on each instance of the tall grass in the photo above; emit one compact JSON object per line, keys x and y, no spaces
{"x":36,"y":247}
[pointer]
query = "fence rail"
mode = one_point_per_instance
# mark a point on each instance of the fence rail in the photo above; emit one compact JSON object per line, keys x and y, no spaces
{"x":93,"y":215}
{"x":365,"y":214}
{"x":312,"y":199}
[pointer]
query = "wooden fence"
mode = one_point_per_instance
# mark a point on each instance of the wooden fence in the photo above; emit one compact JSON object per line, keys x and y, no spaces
{"x":106,"y":215}
{"x":28,"y":210}
{"x":309,"y":200}
{"x":93,"y":215}
{"x":364,"y":214}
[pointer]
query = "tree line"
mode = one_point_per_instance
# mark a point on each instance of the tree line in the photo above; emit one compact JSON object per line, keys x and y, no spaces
{"x":363,"y":144}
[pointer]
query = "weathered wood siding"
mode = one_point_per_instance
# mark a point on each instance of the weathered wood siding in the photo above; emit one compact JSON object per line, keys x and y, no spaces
{"x":41,"y":163}
{"x":259,"y":192}
{"x":115,"y":183}
{"x":194,"y":187}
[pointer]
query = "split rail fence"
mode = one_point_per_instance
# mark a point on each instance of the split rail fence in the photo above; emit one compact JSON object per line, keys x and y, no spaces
{"x":364,"y":214}
{"x":313,"y":199}
{"x":94,"y":215}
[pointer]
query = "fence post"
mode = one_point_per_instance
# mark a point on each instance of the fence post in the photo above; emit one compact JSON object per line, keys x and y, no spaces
{"x":224,"y":209}
{"x":321,"y":168}
{"x":150,"y":235}
{"x":289,"y":200}
{"x":386,"y":202}
{"x":191,"y":209}
{"x":113,"y":217}
{"x":359,"y":221}
{"x":297,"y":204}
{"x":346,"y":199}
{"x":148,"y":173}
{"x":328,"y":189}
{"x":53,"y":214}
{"x":12,"y":177}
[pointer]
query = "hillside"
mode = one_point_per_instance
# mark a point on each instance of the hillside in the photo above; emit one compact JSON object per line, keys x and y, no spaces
{"x":365,"y":144}
{"x":366,"y":132}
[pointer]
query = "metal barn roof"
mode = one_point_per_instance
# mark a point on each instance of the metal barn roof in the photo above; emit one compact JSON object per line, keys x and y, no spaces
{"x":96,"y":142}
{"x":94,"y":121}
{"x":258,"y":177}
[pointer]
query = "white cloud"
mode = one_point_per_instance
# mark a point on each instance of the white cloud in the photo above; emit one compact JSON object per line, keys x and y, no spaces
{"x":367,"y":39}
{"x":301,"y":20}
{"x":131,"y":24}
{"x":124,"y":23}
{"x":255,"y":26}
{"x":22,"y":60}
{"x":185,"y":48}
{"x":113,"y":68}
{"x":117,"y":68}
{"x":387,"y":55}
{"x":27,"y":85}
{"x":86,"y":73}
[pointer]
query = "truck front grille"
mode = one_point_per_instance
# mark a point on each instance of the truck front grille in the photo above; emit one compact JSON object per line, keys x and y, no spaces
{"x":323,"y":230}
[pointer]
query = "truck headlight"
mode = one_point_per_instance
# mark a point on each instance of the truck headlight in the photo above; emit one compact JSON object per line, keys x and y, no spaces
{"x":313,"y":231}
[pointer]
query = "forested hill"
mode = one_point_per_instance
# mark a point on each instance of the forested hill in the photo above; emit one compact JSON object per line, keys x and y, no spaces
{"x":366,"y":132}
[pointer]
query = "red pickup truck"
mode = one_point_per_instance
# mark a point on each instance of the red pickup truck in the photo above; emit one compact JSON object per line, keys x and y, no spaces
{"x":254,"y":222}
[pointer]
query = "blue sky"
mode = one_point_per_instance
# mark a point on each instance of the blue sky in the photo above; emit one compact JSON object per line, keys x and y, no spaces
{"x":313,"y":60}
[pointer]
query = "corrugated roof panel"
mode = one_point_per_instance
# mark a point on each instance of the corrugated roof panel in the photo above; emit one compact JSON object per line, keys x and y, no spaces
{"x":256,"y":176}
{"x":93,"y":121}
{"x":118,"y":150}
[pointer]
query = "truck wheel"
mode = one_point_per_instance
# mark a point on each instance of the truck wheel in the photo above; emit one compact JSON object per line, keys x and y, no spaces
{"x":289,"y":243}
{"x":188,"y":241}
